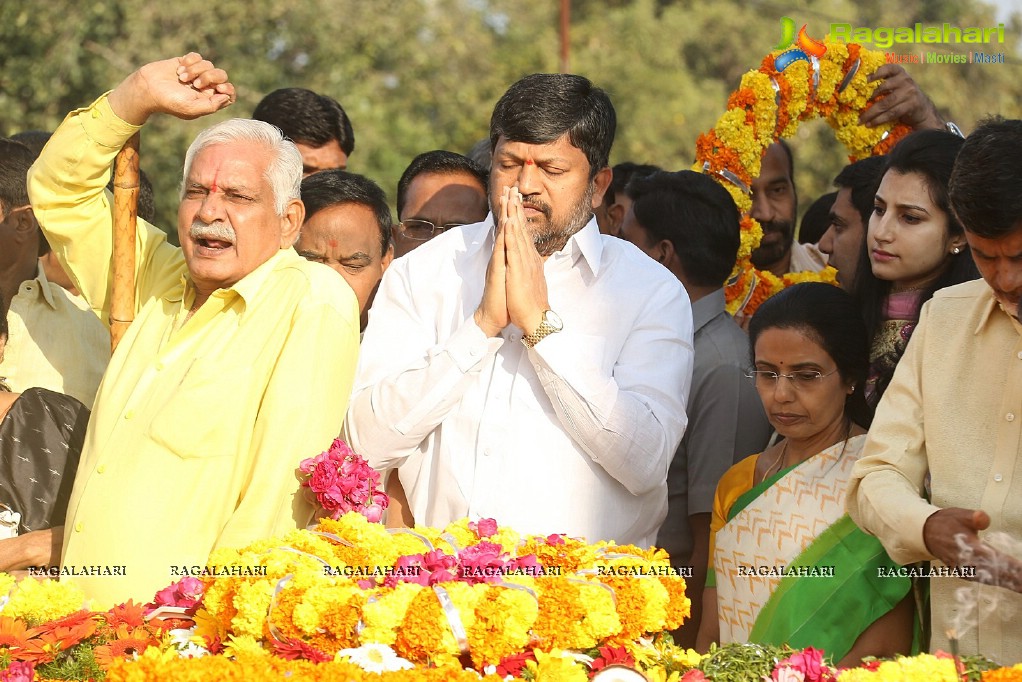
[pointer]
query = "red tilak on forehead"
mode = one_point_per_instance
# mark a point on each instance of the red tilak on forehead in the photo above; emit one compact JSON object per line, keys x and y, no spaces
{"x":528,"y":162}
{"x":213,"y":186}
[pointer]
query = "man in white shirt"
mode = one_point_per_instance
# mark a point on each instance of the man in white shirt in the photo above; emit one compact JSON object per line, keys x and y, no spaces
{"x":528,"y":368}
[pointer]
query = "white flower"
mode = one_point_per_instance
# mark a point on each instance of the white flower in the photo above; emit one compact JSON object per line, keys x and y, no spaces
{"x":374,"y":658}
{"x":787,"y":674}
{"x":184,"y":641}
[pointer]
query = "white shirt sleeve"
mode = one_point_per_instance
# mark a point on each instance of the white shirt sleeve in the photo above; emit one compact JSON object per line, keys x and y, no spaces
{"x":392,"y":412}
{"x":631,"y":419}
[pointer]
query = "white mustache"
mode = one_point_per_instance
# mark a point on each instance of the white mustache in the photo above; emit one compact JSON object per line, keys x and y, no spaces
{"x":219,"y":231}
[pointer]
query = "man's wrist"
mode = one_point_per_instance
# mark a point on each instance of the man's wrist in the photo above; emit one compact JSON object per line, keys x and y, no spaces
{"x":550,"y":323}
{"x":123,"y":101}
{"x":532,"y":322}
{"x":489,"y":329}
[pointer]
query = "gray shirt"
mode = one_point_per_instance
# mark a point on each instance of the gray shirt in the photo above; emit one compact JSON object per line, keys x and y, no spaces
{"x":726,"y":423}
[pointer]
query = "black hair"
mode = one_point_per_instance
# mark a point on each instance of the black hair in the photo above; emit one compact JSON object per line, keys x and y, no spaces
{"x":816,"y":219}
{"x":930,"y":154}
{"x":33,"y":139}
{"x":542,"y":107}
{"x":623,"y":173}
{"x":440,"y":162}
{"x":481,"y":154}
{"x":986,"y":184}
{"x":827,"y":315}
{"x":697,"y":215}
{"x":862,"y":178}
{"x":332,"y":187}
{"x":15,"y":160}
{"x":307,"y":117}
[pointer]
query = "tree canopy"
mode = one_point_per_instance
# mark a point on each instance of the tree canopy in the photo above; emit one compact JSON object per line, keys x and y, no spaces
{"x":416,"y":75}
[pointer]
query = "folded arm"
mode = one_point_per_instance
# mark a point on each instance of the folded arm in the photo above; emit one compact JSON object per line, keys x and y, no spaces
{"x":630,"y":419}
{"x":35,"y":548}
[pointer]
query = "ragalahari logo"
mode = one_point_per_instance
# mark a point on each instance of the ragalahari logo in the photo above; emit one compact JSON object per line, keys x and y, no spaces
{"x":806,"y":47}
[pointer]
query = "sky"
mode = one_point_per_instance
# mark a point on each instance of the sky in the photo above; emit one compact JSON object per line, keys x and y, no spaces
{"x":1005,"y":8}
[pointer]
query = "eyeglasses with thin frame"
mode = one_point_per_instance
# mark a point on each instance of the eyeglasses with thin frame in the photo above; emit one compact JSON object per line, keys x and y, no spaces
{"x":423,"y":230}
{"x":802,"y":379}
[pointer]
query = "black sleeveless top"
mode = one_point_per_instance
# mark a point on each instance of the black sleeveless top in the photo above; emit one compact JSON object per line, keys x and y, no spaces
{"x":41,"y":440}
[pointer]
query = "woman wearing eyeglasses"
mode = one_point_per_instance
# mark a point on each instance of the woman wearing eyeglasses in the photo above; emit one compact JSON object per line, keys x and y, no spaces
{"x":788,"y":566}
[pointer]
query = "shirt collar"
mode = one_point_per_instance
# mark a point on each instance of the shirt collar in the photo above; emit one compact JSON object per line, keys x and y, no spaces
{"x":707,"y":308}
{"x":586,"y":244}
{"x":44,"y":287}
{"x":247,"y":287}
{"x":992,"y":307}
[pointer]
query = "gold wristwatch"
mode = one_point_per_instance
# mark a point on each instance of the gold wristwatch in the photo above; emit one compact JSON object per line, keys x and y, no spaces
{"x":550,"y":324}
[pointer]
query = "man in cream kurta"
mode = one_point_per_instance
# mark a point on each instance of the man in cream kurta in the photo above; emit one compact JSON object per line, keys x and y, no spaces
{"x":241,"y":356}
{"x":941,"y":471}
{"x":56,"y":341}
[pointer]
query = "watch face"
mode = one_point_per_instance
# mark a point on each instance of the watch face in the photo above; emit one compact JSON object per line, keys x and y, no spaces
{"x":553,"y":319}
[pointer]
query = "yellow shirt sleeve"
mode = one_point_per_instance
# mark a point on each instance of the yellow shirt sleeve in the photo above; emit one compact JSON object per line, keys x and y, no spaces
{"x":199,"y":425}
{"x":67,"y":189}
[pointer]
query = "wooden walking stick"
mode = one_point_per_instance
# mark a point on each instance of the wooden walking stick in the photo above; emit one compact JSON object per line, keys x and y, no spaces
{"x":126,"y":187}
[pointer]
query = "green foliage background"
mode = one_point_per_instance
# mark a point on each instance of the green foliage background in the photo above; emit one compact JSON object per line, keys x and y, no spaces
{"x":415,"y":75}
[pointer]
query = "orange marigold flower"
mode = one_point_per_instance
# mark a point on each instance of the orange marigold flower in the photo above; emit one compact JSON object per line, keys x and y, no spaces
{"x":126,"y":643}
{"x":14,"y":635}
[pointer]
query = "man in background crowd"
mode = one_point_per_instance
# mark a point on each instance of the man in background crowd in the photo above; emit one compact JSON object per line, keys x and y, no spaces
{"x":317,"y":124}
{"x":347,"y":227}
{"x":438,"y":190}
{"x":689,"y":224}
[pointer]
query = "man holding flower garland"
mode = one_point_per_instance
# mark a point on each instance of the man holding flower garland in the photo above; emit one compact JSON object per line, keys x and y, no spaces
{"x":774,"y":199}
{"x":208,"y":405}
{"x":527,"y":368}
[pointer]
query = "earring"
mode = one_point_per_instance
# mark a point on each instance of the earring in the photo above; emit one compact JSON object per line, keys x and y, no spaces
{"x":957,"y":250}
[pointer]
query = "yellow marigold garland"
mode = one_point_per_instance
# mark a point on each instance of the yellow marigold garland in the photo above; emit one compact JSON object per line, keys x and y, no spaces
{"x":769,"y":105}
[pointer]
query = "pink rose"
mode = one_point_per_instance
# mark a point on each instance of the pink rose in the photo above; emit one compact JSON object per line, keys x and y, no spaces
{"x":19,"y":671}
{"x":484,"y":528}
{"x":324,"y":477}
{"x":437,"y":559}
{"x":373,"y":513}
{"x":482,"y":562}
{"x":441,"y":576}
{"x":807,"y":663}
{"x":307,"y":466}
{"x":786,"y":674}
{"x":409,"y":569}
{"x":165,"y":597}
{"x":693,"y":675}
{"x":190,"y":588}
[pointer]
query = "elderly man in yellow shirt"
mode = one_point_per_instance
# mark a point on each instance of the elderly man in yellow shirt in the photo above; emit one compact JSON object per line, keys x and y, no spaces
{"x":241,"y":357}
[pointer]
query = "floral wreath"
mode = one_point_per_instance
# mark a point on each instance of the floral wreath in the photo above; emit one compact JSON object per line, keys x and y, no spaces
{"x":789,"y":87}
